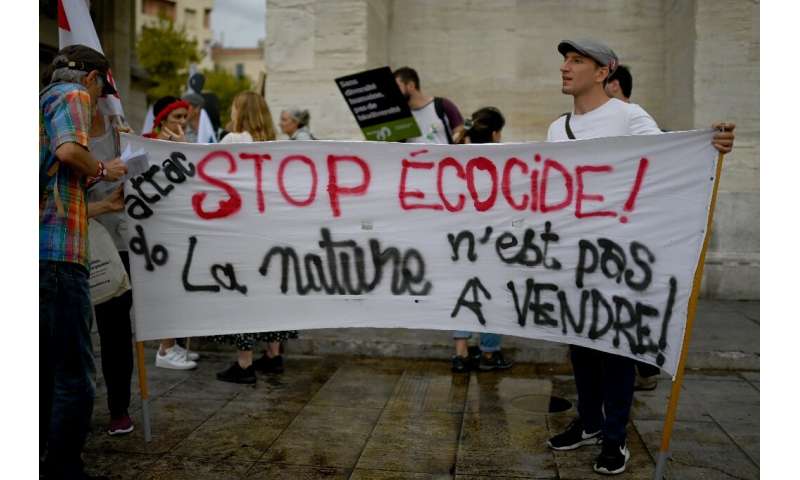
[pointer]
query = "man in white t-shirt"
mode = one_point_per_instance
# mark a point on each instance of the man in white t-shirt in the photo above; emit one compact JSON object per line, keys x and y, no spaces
{"x":438,"y":118}
{"x":604,"y":381}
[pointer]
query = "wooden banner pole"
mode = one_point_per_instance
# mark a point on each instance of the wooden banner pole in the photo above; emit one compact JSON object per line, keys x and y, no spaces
{"x":140,"y":363}
{"x":672,"y":408}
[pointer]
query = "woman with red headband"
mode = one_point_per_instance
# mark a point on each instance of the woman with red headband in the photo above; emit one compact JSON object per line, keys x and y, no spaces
{"x":171,"y":115}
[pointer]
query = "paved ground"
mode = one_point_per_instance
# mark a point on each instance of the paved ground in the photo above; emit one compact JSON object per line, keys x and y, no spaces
{"x":340,"y":416}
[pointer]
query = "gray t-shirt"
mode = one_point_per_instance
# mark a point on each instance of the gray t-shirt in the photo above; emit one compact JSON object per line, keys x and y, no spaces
{"x":102,"y":148}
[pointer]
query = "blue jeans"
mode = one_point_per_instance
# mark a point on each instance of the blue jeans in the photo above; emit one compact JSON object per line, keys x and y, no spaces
{"x":605,"y":391}
{"x":489,"y":342}
{"x":66,"y":366}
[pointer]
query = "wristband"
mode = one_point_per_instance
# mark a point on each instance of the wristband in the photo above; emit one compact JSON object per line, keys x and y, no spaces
{"x":101,"y":170}
{"x":101,"y":173}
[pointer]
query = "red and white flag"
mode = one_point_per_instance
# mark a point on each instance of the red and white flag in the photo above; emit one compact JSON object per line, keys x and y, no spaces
{"x":75,"y":27}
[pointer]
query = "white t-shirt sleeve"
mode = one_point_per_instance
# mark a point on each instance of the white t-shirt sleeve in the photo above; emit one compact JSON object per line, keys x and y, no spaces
{"x":640,"y":122}
{"x":234,"y":137}
{"x":557,"y":131}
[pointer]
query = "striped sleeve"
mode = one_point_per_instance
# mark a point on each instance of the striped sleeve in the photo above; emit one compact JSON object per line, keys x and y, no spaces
{"x":70,"y":119}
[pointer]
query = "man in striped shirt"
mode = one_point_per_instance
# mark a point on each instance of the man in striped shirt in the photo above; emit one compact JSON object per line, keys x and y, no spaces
{"x":66,"y":167}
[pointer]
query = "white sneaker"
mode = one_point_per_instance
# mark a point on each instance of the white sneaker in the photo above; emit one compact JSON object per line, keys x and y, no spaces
{"x":174,"y":360}
{"x":192,"y":355}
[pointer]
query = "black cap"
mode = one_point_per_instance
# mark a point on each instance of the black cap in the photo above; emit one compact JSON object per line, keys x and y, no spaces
{"x":85,"y":59}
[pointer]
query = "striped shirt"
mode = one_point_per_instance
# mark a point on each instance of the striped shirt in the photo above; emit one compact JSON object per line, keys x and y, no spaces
{"x":65,"y":114}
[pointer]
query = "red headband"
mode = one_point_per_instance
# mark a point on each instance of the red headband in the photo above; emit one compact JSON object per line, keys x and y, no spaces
{"x":162,"y":115}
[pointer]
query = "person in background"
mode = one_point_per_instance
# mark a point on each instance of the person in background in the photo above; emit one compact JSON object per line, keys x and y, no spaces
{"x":113,"y":316}
{"x":296,"y":124}
{"x":251,"y":122}
{"x":438,"y":118}
{"x":66,"y":168}
{"x":484,"y":126}
{"x":620,"y":86}
{"x":211,"y":108}
{"x":171,"y":115}
{"x":196,"y":102}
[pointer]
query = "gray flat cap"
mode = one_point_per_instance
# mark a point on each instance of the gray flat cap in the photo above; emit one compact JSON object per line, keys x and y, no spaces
{"x":593,"y":49}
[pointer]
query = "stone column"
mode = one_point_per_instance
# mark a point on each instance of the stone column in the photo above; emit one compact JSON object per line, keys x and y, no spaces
{"x":726,"y":87}
{"x":309,"y":44}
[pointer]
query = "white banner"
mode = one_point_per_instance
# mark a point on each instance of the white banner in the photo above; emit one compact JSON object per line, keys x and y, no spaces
{"x":591,"y":242}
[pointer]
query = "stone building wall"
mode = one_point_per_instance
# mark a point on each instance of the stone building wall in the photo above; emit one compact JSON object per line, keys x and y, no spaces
{"x":301,"y":66}
{"x":726,"y":85}
{"x":693,"y":62}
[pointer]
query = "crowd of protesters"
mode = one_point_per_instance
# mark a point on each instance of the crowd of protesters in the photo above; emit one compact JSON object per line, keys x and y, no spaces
{"x":76,"y":152}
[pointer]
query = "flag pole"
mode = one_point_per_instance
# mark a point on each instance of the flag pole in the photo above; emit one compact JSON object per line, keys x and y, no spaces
{"x":143,"y":391}
{"x":677,"y":384}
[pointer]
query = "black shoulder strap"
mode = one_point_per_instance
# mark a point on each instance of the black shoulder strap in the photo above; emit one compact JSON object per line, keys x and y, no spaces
{"x":438,"y":105}
{"x":570,"y":135}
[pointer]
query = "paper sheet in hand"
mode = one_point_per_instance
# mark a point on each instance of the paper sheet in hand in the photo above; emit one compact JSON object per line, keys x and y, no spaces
{"x":137,"y":163}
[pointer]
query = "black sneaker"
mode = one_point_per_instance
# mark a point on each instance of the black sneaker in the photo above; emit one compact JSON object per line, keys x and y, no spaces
{"x":495,"y":362}
{"x":237,"y":374}
{"x":460,"y":364}
{"x":573,"y":437}
{"x":265,"y":364}
{"x":612,"y":459}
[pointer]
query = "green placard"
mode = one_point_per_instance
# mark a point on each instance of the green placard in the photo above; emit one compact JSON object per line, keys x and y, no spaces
{"x":392,"y":131}
{"x":380,"y":109}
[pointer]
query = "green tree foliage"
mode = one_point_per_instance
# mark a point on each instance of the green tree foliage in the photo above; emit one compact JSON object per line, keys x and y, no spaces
{"x":226,"y":85}
{"x":165,"y":52}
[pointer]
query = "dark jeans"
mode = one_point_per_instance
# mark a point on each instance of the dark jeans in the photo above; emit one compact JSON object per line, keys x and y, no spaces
{"x":66,"y":366}
{"x":116,"y":347}
{"x":605,"y":384}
